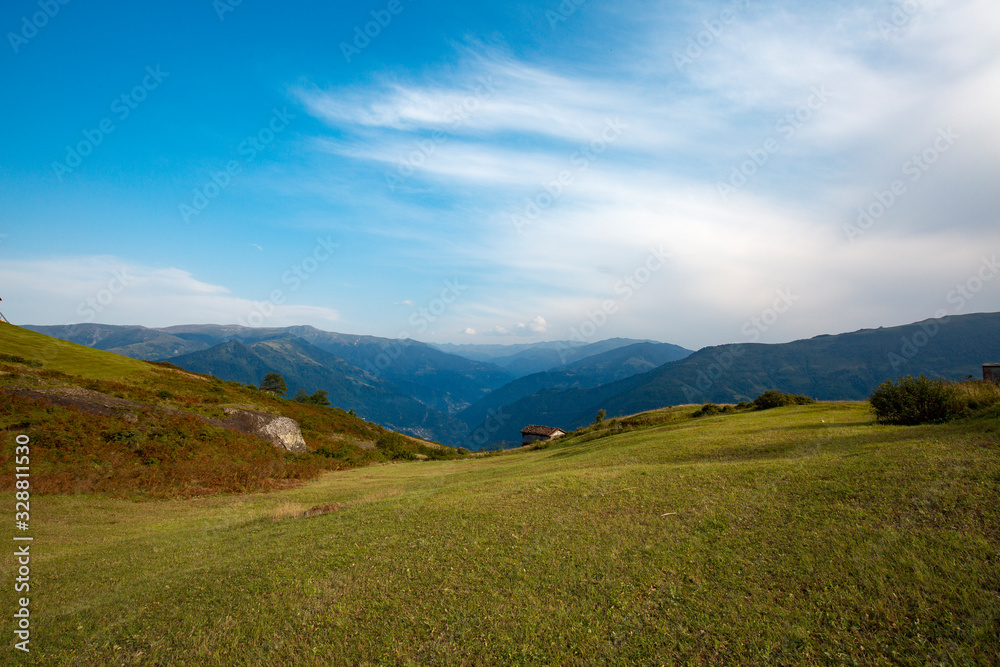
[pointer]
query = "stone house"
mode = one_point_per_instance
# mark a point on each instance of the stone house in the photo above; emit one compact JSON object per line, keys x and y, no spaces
{"x":533,"y":433}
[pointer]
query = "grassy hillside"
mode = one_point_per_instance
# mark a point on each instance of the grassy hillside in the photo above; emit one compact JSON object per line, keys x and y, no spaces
{"x":803,"y":535}
{"x":163,"y":447}
{"x":131,"y":341}
{"x":68,"y":357}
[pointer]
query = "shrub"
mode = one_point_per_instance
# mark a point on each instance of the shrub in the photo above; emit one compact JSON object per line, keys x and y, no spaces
{"x":395,"y":447}
{"x":915,"y":400}
{"x":13,"y":358}
{"x":713,"y":409}
{"x":321,"y":397}
{"x":708,"y":409}
{"x":777,"y":399}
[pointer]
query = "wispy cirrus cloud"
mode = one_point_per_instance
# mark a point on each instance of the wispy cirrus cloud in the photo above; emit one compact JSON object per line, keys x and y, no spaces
{"x":885,"y":97}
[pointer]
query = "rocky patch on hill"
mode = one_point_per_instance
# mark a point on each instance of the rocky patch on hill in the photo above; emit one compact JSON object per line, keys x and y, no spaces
{"x":282,"y":432}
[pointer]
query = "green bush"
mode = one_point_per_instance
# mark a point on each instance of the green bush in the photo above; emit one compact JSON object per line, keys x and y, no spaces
{"x":742,"y":406}
{"x":13,"y":358}
{"x":706,"y":410}
{"x":778,"y":399}
{"x":915,"y":400}
{"x":395,"y":447}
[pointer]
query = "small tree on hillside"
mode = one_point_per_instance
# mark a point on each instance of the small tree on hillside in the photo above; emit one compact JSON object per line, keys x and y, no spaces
{"x":301,"y":396}
{"x":600,"y":417}
{"x":320,"y":398}
{"x":273,"y":383}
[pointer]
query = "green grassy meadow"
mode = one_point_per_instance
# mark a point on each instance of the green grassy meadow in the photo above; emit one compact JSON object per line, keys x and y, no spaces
{"x":799,"y":535}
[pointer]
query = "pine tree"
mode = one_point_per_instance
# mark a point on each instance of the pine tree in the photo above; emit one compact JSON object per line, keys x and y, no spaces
{"x":273,"y":383}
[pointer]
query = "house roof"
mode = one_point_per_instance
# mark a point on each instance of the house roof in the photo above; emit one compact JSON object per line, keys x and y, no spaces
{"x":532,"y":429}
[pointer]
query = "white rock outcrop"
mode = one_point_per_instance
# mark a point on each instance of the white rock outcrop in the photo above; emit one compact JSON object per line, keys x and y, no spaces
{"x":283,"y":432}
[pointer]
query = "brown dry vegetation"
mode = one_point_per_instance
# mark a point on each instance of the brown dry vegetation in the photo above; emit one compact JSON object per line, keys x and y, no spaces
{"x":160,"y":455}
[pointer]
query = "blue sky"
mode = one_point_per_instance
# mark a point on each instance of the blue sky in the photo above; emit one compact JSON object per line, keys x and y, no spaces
{"x":690,"y":172}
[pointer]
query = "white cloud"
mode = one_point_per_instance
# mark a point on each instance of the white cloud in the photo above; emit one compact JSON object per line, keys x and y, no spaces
{"x":537,"y":325}
{"x":687,"y":130}
{"x":111,"y":290}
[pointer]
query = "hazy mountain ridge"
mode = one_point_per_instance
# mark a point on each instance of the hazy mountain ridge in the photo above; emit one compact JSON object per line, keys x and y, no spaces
{"x":523,"y":359}
{"x":603,"y":368}
{"x":307,"y":367}
{"x":444,"y":381}
{"x":828,"y":367}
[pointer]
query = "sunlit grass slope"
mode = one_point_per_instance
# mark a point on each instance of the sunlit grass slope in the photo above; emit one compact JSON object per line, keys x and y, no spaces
{"x":803,"y":535}
{"x":68,"y":357}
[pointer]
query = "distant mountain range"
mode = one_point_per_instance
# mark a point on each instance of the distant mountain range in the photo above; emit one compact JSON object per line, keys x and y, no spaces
{"x":598,"y":369}
{"x":403,"y":385}
{"x":527,"y":358}
{"x":482,"y":395}
{"x":307,"y":367}
{"x":839,"y":367}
